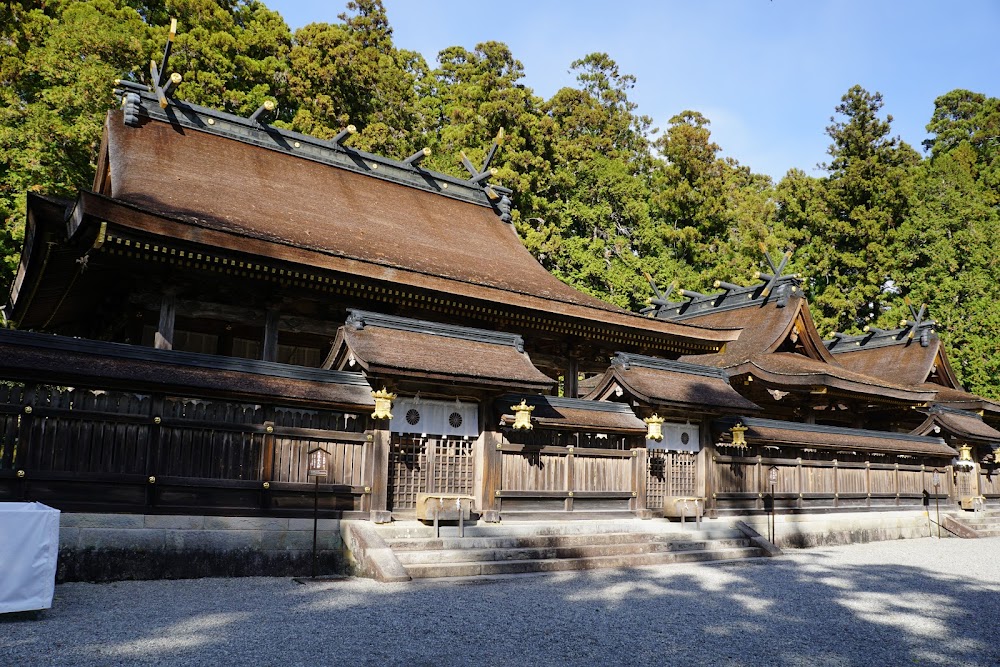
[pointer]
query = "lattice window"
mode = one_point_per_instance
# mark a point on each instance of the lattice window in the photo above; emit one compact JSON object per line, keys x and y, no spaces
{"x":421,"y":465}
{"x":683,"y":474}
{"x":452,"y":466}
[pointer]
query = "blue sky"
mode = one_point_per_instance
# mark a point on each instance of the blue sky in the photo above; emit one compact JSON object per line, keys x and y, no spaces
{"x":768,"y":74}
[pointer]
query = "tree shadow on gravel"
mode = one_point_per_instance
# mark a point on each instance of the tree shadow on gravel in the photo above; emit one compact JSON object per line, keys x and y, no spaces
{"x":806,"y":609}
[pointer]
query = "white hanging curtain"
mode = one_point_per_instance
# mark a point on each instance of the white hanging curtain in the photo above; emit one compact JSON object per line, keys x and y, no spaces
{"x":420,"y":416}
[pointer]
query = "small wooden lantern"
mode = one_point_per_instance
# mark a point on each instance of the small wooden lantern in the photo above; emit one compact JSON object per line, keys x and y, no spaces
{"x":522,"y":416}
{"x":383,"y":403}
{"x":654,"y":428}
{"x":738,"y":431}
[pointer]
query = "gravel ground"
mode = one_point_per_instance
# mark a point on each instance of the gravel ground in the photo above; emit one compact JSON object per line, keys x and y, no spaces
{"x":890,"y":603}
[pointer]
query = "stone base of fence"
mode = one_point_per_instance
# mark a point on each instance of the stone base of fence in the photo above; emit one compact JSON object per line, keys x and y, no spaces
{"x":113,"y":547}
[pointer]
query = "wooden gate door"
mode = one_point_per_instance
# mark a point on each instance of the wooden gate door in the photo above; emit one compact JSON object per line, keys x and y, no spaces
{"x":966,"y":484}
{"x":428,"y":465}
{"x":670,"y":474}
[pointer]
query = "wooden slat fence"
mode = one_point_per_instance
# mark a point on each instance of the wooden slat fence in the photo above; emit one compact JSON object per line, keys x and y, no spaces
{"x":552,"y":478}
{"x":742,"y":483}
{"x":89,"y":449}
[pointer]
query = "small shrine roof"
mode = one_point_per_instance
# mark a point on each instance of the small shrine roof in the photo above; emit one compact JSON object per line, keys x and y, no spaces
{"x":389,"y":346}
{"x":769,"y":431}
{"x":575,"y":414}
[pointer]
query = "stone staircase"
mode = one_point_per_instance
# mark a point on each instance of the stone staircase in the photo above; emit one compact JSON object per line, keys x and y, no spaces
{"x":974,"y":524}
{"x":491,"y":550}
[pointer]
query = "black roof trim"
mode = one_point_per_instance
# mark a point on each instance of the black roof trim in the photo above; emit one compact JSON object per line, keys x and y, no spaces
{"x":937,"y":409}
{"x":569,"y":403}
{"x":830,"y":430}
{"x":730,"y":300}
{"x":873,"y":340}
{"x":627,"y":359}
{"x":204,"y":361}
{"x":359,"y":319}
{"x":251,"y":132}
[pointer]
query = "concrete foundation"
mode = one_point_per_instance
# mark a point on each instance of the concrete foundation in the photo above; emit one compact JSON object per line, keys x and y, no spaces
{"x":800,"y":531}
{"x":110,"y":547}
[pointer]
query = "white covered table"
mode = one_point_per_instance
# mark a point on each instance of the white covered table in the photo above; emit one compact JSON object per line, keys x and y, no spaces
{"x":29,"y":549}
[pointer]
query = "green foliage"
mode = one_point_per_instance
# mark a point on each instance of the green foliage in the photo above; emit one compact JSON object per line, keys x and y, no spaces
{"x":597,"y":199}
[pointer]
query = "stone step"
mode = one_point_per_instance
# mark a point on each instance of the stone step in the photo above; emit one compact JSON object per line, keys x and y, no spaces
{"x":433,"y":556}
{"x":550,"y":541}
{"x":486,"y":568}
{"x":992,"y":532}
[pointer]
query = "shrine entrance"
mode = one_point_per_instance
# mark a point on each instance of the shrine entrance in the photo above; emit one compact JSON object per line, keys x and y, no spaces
{"x":439,"y":464}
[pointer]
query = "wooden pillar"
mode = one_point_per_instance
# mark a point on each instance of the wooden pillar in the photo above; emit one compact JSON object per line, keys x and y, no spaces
{"x":640,"y":464}
{"x":758,"y":473}
{"x":379,"y":483}
{"x":164,"y":339}
{"x":269,"y":350}
{"x":798,"y":474}
{"x":570,"y":477}
{"x":153,"y":445}
{"x":868,"y":483}
{"x":571,"y":378}
{"x":836,"y":484}
{"x":489,"y":467}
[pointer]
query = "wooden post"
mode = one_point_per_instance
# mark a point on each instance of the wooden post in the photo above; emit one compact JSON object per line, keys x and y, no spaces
{"x":570,"y":465}
{"x":25,"y":440}
{"x":571,"y":383}
{"x":760,"y":484}
{"x":164,"y":339}
{"x":640,"y":465}
{"x":868,"y":483}
{"x":154,"y":445}
{"x":836,"y":484}
{"x":897,"y":483}
{"x":798,"y":471}
{"x":492,"y":470}
{"x":269,"y":349}
{"x":380,"y":475}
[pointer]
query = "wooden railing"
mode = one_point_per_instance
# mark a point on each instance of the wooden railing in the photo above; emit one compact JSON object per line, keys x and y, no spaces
{"x":81,"y":449}
{"x":742,"y":484}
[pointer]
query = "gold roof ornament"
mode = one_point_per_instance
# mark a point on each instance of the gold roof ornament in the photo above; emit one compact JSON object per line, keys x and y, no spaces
{"x":739,"y":438}
{"x":383,"y":403}
{"x":654,"y":428}
{"x":522,"y":416}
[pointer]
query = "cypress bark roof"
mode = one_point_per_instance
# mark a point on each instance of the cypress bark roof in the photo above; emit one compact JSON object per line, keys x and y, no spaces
{"x":34,"y":357}
{"x":769,"y":431}
{"x":769,"y":323}
{"x":265,"y":194}
{"x":574,"y":414}
{"x":963,"y":425}
{"x":662,"y":383}
{"x":401,"y":347}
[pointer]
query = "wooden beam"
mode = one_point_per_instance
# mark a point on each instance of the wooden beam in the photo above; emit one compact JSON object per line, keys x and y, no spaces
{"x":164,"y":339}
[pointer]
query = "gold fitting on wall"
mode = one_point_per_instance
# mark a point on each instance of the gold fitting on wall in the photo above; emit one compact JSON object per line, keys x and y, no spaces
{"x":369,"y":437}
{"x":634,"y":494}
{"x":20,"y":474}
{"x":635,"y":452}
{"x":497,"y":494}
{"x":499,"y":445}
{"x":269,"y":429}
{"x":152,"y":480}
{"x":760,"y":495}
{"x":267,"y":485}
{"x":383,"y":403}
{"x":156,"y":420}
{"x":368,"y":489}
{"x":570,"y":449}
{"x":27,"y":409}
{"x":570,"y":494}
